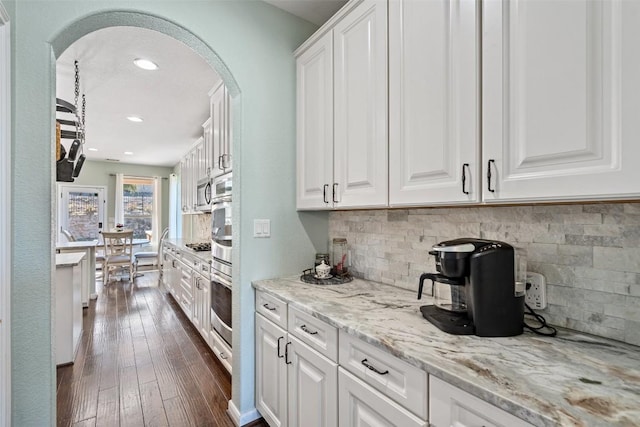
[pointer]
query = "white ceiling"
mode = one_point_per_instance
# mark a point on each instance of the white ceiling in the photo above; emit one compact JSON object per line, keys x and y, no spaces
{"x":172,"y":101}
{"x":316,"y":11}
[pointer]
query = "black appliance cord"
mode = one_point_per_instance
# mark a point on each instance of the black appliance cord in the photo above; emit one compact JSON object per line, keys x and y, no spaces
{"x":543,"y":323}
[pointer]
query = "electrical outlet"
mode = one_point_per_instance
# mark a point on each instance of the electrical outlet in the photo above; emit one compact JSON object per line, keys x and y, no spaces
{"x":536,"y":296}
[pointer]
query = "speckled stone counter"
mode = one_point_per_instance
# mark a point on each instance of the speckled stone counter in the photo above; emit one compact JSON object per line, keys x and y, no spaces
{"x":570,"y":380}
{"x":204,"y":256}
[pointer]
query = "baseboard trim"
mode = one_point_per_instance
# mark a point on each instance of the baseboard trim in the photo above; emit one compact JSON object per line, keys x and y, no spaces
{"x":241,"y":419}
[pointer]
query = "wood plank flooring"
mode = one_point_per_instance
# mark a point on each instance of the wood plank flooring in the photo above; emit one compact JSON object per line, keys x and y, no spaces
{"x":141,"y":363}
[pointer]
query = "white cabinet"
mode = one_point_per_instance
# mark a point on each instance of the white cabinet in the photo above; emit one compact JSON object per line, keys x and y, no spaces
{"x":221,"y":130}
{"x":202,"y":305}
{"x":295,"y":384}
{"x":207,"y":149}
{"x":271,"y":372}
{"x":188,"y":180}
{"x":434,"y":95}
{"x":361,"y":405}
{"x":342,"y":113}
{"x":560,"y":104}
{"x":360,"y":107}
{"x":314,"y":133}
{"x":68,"y":309}
{"x":312,"y":384}
{"x":450,"y":406}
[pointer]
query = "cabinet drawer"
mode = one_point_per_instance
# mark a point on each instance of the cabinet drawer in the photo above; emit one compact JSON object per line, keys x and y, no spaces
{"x":272,"y":308}
{"x":362,"y":405}
{"x":221,"y":350}
{"x":316,"y":333}
{"x":393,"y":377}
{"x":451,"y":406}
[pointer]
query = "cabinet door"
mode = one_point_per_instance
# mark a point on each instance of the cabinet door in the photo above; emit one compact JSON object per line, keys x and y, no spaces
{"x":220,"y":130}
{"x":183,"y":184}
{"x":271,"y":372}
{"x":200,"y":163}
{"x":207,"y":147}
{"x":227,"y":153}
{"x":360,"y":405}
{"x":450,"y":406}
{"x":313,"y":381}
{"x":360,"y":106}
{"x":314,"y":134}
{"x":205,"y":309}
{"x":434,"y":86}
{"x":560,"y":85}
{"x":197,"y":302}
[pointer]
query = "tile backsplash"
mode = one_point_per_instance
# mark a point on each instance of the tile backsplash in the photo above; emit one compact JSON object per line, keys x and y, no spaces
{"x":589,"y":254}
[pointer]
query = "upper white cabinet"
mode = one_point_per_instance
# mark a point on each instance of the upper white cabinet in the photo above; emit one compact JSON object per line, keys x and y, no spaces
{"x":314,"y":68}
{"x":221,"y":130}
{"x":342,"y":109}
{"x":434,"y":96}
{"x":488,"y":102}
{"x":560,"y":100}
{"x":360,"y":107}
{"x":207,"y":135}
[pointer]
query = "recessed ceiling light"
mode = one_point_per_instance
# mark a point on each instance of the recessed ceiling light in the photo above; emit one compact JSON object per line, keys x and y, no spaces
{"x":145,"y":64}
{"x":93,"y":149}
{"x":135,"y":119}
{"x":129,"y":153}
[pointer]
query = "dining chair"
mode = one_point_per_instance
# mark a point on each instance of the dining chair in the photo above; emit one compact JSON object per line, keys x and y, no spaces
{"x":118,"y":247}
{"x":153,"y":256}
{"x":66,"y":233}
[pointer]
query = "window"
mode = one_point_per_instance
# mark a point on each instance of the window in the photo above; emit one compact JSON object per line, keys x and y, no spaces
{"x":138,"y":205}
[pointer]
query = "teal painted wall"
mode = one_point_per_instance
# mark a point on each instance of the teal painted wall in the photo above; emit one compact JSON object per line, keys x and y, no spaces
{"x":99,"y":174}
{"x":253,"y":42}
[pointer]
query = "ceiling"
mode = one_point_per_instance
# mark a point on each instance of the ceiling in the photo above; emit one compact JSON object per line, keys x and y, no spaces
{"x":173,"y":101}
{"x":315,"y":11}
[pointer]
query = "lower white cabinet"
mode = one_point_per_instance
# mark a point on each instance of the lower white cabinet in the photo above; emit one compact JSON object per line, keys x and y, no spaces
{"x":361,"y":405}
{"x":271,"y":372}
{"x":312,"y":384}
{"x":295,"y":385}
{"x":202,"y":306}
{"x":450,"y":406}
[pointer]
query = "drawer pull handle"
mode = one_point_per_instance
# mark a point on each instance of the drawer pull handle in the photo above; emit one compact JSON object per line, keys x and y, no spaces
{"x":373,"y":368}
{"x":223,"y":356}
{"x":280,"y":356}
{"x":266,"y":305}
{"x":304,"y":328}
{"x":286,"y":353}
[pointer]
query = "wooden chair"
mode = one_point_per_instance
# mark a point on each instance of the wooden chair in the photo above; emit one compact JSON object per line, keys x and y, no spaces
{"x":118,"y":247}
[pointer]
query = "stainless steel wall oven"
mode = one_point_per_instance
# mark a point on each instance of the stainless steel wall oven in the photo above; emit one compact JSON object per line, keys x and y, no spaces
{"x":221,"y":251}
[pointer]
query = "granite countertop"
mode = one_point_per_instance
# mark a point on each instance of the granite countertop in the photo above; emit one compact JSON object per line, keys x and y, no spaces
{"x":69,"y":259}
{"x":204,"y":256}
{"x":572,"y":379}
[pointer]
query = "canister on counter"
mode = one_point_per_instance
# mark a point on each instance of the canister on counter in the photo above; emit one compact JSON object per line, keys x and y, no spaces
{"x":339,"y":251}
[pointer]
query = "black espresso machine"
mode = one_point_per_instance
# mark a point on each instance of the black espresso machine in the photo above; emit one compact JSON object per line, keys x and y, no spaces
{"x":475,"y":289}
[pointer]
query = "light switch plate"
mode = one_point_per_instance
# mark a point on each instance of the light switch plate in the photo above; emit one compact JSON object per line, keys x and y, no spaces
{"x":261,"y":228}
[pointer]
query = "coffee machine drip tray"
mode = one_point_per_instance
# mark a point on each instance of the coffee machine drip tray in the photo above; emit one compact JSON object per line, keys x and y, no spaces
{"x":448,"y":321}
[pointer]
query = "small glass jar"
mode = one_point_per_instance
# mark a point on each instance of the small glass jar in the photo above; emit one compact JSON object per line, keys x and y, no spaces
{"x":339,"y":255}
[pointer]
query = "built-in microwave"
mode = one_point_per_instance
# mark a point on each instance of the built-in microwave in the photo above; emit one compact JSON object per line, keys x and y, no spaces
{"x":222,"y":186}
{"x":203,"y":195}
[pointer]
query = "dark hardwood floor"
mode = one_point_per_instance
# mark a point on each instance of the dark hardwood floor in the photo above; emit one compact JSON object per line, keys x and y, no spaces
{"x":141,"y":363}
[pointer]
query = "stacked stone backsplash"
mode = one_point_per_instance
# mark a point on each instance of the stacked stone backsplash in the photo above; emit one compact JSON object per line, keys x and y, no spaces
{"x":589,"y":254}
{"x":201,"y":227}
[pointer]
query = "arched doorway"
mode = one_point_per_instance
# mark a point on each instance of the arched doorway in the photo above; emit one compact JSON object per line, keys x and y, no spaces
{"x":70,"y":34}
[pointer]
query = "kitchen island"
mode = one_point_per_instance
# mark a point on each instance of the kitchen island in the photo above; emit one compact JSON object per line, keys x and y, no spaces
{"x":68,"y":306}
{"x":572,"y":379}
{"x":89,"y":273}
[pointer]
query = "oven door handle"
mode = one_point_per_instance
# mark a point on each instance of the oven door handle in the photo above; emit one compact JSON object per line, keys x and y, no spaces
{"x":218,"y":278}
